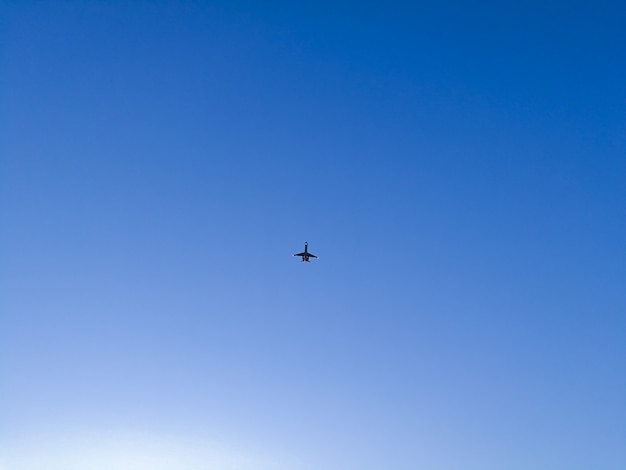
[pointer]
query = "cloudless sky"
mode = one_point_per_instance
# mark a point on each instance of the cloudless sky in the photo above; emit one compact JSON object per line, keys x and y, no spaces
{"x":458,"y":167}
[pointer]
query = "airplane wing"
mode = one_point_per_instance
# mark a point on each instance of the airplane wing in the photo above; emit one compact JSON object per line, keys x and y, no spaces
{"x":312,"y":256}
{"x":303,"y":254}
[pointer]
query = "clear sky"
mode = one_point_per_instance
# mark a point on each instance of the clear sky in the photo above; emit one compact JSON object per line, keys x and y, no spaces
{"x":458,"y":167}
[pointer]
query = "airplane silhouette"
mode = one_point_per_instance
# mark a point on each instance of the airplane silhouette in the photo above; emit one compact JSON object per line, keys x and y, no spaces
{"x":305,"y":254}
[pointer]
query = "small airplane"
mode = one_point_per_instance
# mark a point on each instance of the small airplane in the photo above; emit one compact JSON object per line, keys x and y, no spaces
{"x":305,"y":254}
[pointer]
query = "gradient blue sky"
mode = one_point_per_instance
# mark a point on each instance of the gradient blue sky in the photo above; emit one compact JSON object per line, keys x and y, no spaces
{"x":458,"y":167}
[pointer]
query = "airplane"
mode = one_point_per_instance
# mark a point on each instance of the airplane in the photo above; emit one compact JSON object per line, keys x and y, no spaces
{"x":305,"y":254}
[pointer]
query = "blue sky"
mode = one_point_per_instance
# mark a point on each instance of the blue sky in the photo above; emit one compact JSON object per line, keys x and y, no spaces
{"x":458,"y":168}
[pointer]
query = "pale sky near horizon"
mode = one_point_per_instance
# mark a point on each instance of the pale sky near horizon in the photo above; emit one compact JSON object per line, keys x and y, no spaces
{"x":459,"y":168}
